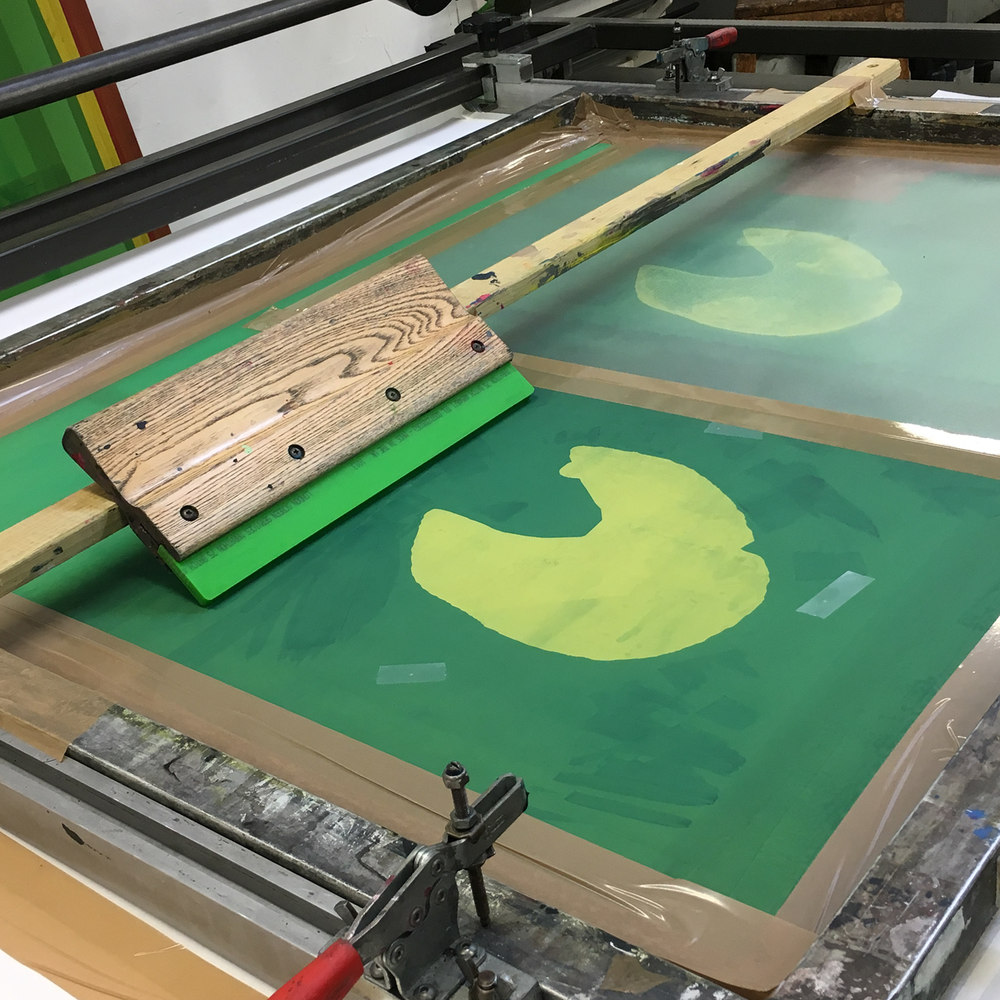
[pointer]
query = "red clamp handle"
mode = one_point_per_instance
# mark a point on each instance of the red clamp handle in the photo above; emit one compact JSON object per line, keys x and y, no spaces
{"x":721,"y":38}
{"x":330,"y":976}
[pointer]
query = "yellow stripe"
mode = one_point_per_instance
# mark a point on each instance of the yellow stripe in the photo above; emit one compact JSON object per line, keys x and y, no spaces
{"x":55,"y":20}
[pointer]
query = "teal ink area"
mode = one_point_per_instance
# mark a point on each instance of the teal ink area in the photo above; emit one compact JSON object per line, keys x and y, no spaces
{"x":933,"y":359}
{"x":728,"y":763}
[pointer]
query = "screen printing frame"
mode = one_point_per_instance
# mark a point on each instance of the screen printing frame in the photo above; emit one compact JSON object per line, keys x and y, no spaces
{"x":933,"y":857}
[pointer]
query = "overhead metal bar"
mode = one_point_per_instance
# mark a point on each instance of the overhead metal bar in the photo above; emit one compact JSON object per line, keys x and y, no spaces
{"x":68,"y":224}
{"x":241,"y":139}
{"x":33,"y":90}
{"x":109,"y":220}
{"x":903,"y":40}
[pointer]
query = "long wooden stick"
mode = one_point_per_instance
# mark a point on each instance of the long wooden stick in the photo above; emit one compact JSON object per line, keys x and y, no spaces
{"x":53,"y":535}
{"x":515,"y":276}
{"x":36,"y":544}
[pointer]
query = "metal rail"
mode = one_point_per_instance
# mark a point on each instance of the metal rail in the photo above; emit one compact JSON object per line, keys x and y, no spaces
{"x":842,"y":38}
{"x":238,"y":859}
{"x":33,"y":90}
{"x":66,"y":225}
{"x":78,"y":222}
{"x":61,"y":227}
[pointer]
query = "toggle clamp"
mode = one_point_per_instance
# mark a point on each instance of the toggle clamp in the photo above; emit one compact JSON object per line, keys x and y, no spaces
{"x":686,"y":58}
{"x":407,"y":940}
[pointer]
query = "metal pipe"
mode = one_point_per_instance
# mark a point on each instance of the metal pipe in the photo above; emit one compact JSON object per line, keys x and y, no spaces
{"x":33,"y":90}
{"x":863,"y":38}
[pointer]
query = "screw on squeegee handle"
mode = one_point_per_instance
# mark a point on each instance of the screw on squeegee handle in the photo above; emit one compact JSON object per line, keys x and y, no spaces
{"x":330,"y":976}
{"x":721,"y":38}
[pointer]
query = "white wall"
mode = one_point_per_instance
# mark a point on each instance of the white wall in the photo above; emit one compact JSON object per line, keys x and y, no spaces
{"x":181,"y":102}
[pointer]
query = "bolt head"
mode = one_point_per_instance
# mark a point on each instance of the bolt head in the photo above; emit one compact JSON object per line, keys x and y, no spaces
{"x":455,"y":776}
{"x":426,"y":992}
{"x":416,"y":916}
{"x":396,"y":953}
{"x":441,"y":896}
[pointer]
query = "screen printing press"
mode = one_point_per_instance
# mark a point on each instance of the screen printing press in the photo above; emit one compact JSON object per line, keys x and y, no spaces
{"x":777,"y":779}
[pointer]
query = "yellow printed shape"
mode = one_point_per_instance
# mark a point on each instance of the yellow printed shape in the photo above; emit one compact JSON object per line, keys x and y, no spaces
{"x":664,"y":569}
{"x":818,"y":284}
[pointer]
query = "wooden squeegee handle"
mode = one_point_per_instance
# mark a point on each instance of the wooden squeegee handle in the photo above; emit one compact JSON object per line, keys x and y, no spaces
{"x":36,"y":544}
{"x":53,"y":535}
{"x":514,"y":277}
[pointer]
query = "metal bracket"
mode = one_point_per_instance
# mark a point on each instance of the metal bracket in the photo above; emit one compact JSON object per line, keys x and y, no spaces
{"x":690,"y":54}
{"x":505,"y":68}
{"x":408,"y":936}
{"x":510,"y":86}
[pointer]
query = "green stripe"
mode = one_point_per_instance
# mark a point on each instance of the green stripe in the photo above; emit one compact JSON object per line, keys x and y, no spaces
{"x":49,"y":147}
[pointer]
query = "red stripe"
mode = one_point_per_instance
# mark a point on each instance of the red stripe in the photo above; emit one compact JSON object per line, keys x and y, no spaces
{"x":109,"y":99}
{"x":84,"y":32}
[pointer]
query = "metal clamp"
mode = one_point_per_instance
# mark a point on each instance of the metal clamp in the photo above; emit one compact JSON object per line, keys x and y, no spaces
{"x":686,"y":57}
{"x":408,"y":936}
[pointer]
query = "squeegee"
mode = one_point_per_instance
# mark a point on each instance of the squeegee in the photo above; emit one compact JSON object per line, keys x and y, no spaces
{"x":224,"y":467}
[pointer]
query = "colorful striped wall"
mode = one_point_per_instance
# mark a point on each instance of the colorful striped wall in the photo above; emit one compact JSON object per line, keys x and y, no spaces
{"x":60,"y":143}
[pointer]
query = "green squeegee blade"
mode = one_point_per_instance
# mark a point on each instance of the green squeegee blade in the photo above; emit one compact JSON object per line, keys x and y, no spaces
{"x":245,"y":550}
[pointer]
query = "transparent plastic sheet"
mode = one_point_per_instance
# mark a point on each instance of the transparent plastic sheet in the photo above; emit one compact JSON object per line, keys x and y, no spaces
{"x":868,"y":95}
{"x":131,"y":337}
{"x":939,"y":731}
{"x":897,"y":787}
{"x":715,"y":936}
{"x":691,"y":926}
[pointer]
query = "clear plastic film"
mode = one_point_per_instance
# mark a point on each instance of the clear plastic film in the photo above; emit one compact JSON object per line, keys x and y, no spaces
{"x":868,"y":95}
{"x":694,"y":927}
{"x":711,"y":934}
{"x":897,"y":787}
{"x":954,"y":711}
{"x":442,"y":208}
{"x":702,"y":930}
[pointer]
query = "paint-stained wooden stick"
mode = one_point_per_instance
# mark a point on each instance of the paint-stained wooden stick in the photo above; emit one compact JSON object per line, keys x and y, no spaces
{"x":36,"y":544}
{"x":547,"y":258}
{"x":53,"y":535}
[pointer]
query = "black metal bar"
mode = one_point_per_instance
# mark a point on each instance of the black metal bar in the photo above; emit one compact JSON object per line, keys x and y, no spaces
{"x":130,"y":179}
{"x":264,"y":245}
{"x":856,"y":38}
{"x":622,"y":8}
{"x":66,"y":240}
{"x":113,"y":206}
{"x":555,"y":47}
{"x":22,"y":93}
